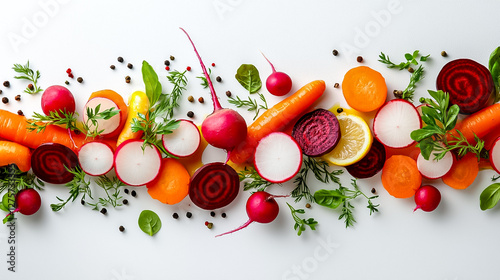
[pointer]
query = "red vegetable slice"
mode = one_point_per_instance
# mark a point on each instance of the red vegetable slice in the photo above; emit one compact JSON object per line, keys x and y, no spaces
{"x":469,"y":84}
{"x":49,"y":162}
{"x":371,"y":164}
{"x":317,"y":132}
{"x":214,"y":186}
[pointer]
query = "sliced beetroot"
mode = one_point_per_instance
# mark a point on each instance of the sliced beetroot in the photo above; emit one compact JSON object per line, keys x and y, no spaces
{"x":469,"y":84}
{"x":370,"y":164}
{"x":214,"y":186}
{"x":317,"y":132}
{"x":50,"y":162}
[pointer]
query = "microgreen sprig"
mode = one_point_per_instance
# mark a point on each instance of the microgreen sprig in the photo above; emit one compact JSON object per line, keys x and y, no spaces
{"x":251,"y":104}
{"x":28,"y":74}
{"x":79,"y":185}
{"x":252,"y":180}
{"x":301,"y":224}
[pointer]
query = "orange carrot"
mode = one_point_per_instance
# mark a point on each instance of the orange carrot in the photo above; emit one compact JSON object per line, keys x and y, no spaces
{"x":463,"y":172}
{"x":480,"y":123}
{"x":122,"y":106}
{"x":15,"y":128}
{"x":172,"y":185}
{"x":364,"y":89}
{"x":400,"y":176}
{"x":11,"y":152}
{"x":277,"y":118}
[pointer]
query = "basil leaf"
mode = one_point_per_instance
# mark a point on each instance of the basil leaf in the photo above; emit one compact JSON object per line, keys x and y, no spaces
{"x":424,"y":132}
{"x":153,"y":86}
{"x":248,"y":76}
{"x":149,"y":222}
{"x":494,"y":66}
{"x":490,"y":196}
{"x":329,"y":198}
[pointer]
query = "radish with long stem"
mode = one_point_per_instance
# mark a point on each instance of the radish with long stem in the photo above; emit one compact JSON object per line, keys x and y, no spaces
{"x":278,"y":83}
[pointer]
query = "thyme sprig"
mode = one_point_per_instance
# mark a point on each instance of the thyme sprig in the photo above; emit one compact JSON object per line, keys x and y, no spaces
{"x":39,"y":122}
{"x":28,"y":74}
{"x":179,"y":81}
{"x":301,"y":224}
{"x":250,"y":104}
{"x":111,"y":187}
{"x":78,"y":186}
{"x":252,"y":180}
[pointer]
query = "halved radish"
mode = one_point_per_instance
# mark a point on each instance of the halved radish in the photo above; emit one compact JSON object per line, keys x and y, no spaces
{"x":277,"y":157}
{"x":495,"y":155}
{"x":184,"y":140}
{"x":135,"y":166}
{"x":96,"y":158}
{"x":108,"y":126}
{"x":394,"y":122}
{"x":434,"y":169}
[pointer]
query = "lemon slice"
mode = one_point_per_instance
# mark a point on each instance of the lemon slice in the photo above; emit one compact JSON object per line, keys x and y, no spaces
{"x":355,"y":141}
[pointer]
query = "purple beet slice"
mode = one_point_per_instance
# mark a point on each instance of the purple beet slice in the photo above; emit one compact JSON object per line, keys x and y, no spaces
{"x":317,"y":132}
{"x":214,"y":186}
{"x":50,"y":160}
{"x":370,"y":164}
{"x":469,"y":84}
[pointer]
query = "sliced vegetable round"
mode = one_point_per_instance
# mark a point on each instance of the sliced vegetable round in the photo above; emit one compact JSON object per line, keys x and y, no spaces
{"x":96,"y":158}
{"x":317,"y":132}
{"x":469,"y":84}
{"x":136,"y":166}
{"x":184,"y":140}
{"x":495,"y":155}
{"x":370,"y":164}
{"x":434,"y":169}
{"x":214,"y":186}
{"x":50,"y":162}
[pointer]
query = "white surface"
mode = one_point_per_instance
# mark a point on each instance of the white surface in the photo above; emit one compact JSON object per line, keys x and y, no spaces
{"x":457,"y":241}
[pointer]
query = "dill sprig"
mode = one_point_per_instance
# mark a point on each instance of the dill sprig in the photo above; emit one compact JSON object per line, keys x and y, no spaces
{"x":252,"y":180}
{"x":179,"y":81}
{"x":28,"y":74}
{"x":250,"y":104}
{"x":301,"y":224}
{"x":111,"y":187}
{"x":79,"y":185}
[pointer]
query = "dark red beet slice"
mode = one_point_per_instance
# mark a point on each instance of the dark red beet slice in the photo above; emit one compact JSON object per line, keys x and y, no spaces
{"x":469,"y":84}
{"x":317,"y":132}
{"x":214,"y":185}
{"x":49,"y":160}
{"x":370,"y":164}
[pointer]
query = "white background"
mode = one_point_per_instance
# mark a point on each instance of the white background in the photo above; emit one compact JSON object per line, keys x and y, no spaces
{"x":457,"y":241}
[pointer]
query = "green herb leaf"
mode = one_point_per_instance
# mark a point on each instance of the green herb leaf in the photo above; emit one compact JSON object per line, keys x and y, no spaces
{"x":153,"y":86}
{"x":149,"y":222}
{"x":494,"y":67}
{"x":28,"y":74}
{"x":490,"y":196}
{"x":248,"y":76}
{"x":329,"y":198}
{"x":301,"y":224}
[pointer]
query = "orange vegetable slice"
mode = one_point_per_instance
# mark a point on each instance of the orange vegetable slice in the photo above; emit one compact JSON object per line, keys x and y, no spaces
{"x":172,"y":184}
{"x":400,"y":176}
{"x":364,"y":89}
{"x":463,"y":172}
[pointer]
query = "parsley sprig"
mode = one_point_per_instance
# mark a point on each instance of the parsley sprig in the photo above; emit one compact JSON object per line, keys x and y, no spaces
{"x":301,"y":224}
{"x":28,"y":74}
{"x":250,"y":104}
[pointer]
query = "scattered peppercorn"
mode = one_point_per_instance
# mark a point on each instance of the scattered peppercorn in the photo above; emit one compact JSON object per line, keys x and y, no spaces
{"x":212,"y":213}
{"x":133,"y":193}
{"x":130,"y":66}
{"x":209,"y":225}
{"x":122,"y":228}
{"x":18,"y":97}
{"x":308,"y":205}
{"x":5,"y":100}
{"x":167,"y":62}
{"x":125,"y":201}
{"x":68,"y":70}
{"x":120,"y":59}
{"x":336,"y":85}
{"x":6,"y":84}
{"x":71,"y":75}
{"x":190,"y":98}
{"x":104,"y":211}
{"x":125,"y":191}
{"x":188,"y":68}
{"x":213,"y":64}
{"x":218,"y":79}
{"x":82,"y":202}
{"x":398,"y":93}
{"x":167,"y":68}
{"x":175,"y":216}
{"x":127,"y":79}
{"x":190,"y":114}
{"x":374,"y":190}
{"x":228,"y":93}
{"x":359,"y":59}
{"x":20,"y":113}
{"x":172,"y":57}
{"x":444,"y":54}
{"x":31,"y":87}
{"x":189,"y":215}
{"x":340,"y":110}
{"x":112,"y":67}
{"x":411,"y":70}
{"x":80,"y":80}
{"x":66,"y":82}
{"x":201,"y":100}
{"x":223,"y":215}
{"x":335,"y":52}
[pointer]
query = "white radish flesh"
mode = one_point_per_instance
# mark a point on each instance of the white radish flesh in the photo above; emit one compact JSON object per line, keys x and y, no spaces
{"x":394,"y":122}
{"x":495,"y":155}
{"x":96,"y":158}
{"x":277,"y":157}
{"x":135,"y":166}
{"x":434,"y":169}
{"x":184,"y":140}
{"x":107,"y":126}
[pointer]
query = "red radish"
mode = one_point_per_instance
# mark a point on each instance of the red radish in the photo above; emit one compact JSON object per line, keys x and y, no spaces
{"x":394,"y":122}
{"x":57,"y":98}
{"x":277,"y":157}
{"x":50,"y":162}
{"x":261,"y":208}
{"x":495,"y":155}
{"x":427,"y":198}
{"x":469,"y":84}
{"x":278,"y":83}
{"x":434,"y":169}
{"x":370,"y":164}
{"x":108,"y":126}
{"x":184,"y":140}
{"x":96,"y":158}
{"x":28,"y":202}
{"x":317,"y":132}
{"x":134,"y":165}
{"x":224,"y":128}
{"x":214,"y":185}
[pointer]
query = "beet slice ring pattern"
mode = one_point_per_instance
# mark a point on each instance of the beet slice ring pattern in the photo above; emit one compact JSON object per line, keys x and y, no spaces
{"x":469,"y":84}
{"x":214,"y":186}
{"x":317,"y":132}
{"x":50,"y":160}
{"x":370,"y":164}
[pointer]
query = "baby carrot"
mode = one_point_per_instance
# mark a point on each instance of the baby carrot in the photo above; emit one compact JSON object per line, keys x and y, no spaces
{"x":463,"y":172}
{"x":277,"y":118}
{"x":11,"y":152}
{"x":400,"y":176}
{"x":364,"y":89}
{"x":479,"y":123}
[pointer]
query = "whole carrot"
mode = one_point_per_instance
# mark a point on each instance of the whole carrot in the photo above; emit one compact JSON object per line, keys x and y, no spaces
{"x":277,"y":118}
{"x":13,"y":153}
{"x":479,"y":123}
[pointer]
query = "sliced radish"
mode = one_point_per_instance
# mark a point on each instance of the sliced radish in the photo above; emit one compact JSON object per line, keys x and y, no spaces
{"x":495,"y":155}
{"x":135,"y":166}
{"x":184,"y":140}
{"x":394,"y":122}
{"x":277,"y":157}
{"x":434,"y":169}
{"x":107,"y":126}
{"x":96,"y":158}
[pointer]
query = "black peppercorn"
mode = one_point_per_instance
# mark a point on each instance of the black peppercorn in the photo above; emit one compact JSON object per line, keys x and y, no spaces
{"x":133,"y":193}
{"x":444,"y":54}
{"x":18,"y":97}
{"x":122,"y":228}
{"x":80,"y":80}
{"x":336,"y":85}
{"x":373,"y":190}
{"x":1,"y":91}
{"x":104,"y":211}
{"x":82,"y":202}
{"x":359,"y":59}
{"x":175,"y":216}
{"x":308,"y":205}
{"x":335,"y":52}
{"x":5,"y":100}
{"x":210,"y":225}
{"x":190,"y":114}
{"x":223,"y":215}
{"x":125,"y":191}
{"x":125,"y":201}
{"x":6,"y":84}
{"x":167,"y":62}
{"x":127,"y":79}
{"x":212,"y":213}
{"x":340,"y":110}
{"x":20,"y":113}
{"x":218,"y":79}
{"x":228,"y":93}
{"x":130,"y":66}
{"x":120,"y":59}
{"x":189,"y":215}
{"x":112,"y":67}
{"x":31,"y":87}
{"x":172,"y":57}
{"x":411,"y":70}
{"x":66,"y":82}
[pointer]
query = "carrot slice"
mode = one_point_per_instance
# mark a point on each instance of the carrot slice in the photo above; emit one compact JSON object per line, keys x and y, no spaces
{"x":172,"y":185}
{"x":364,"y":89}
{"x":11,"y":152}
{"x":400,"y":176}
{"x":463,"y":172}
